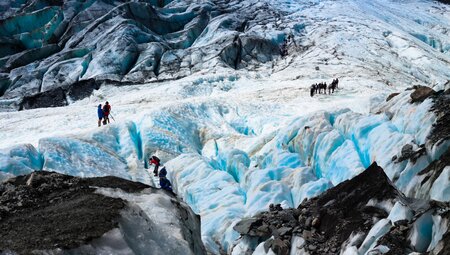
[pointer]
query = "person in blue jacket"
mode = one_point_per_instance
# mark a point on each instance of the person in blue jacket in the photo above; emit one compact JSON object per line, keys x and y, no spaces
{"x":163,"y":181}
{"x":100,"y":114}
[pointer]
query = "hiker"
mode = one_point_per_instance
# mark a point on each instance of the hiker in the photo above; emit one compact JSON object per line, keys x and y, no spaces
{"x":311,"y":90}
{"x":154,"y":160}
{"x":334,"y":85}
{"x":163,"y":181}
{"x":284,"y":48}
{"x":106,"y":111}
{"x":100,"y":114}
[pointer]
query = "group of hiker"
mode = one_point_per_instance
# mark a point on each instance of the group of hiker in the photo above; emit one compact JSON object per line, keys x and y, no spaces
{"x":284,"y":46}
{"x":319,"y":88}
{"x":103,"y":117}
{"x":162,"y":174}
{"x":103,"y":113}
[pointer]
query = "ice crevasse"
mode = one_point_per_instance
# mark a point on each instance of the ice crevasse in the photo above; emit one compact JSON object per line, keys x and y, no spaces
{"x":227,"y":164}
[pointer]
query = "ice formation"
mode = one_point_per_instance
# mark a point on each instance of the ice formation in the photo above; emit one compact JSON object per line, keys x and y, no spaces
{"x":225,"y":174}
{"x":239,"y":132}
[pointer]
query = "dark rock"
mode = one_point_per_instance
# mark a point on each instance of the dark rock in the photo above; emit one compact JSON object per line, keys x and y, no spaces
{"x":396,"y":241}
{"x":38,"y":224}
{"x":308,"y":222}
{"x":315,"y":223}
{"x":52,"y":98}
{"x":375,"y":211}
{"x":82,"y":89}
{"x":286,"y":216}
{"x":4,"y":83}
{"x":392,"y":96}
{"x":262,"y":231}
{"x":245,"y":226}
{"x":284,"y":231}
{"x":401,"y":223}
{"x":280,"y":247}
{"x":271,"y":207}
{"x":403,"y":228}
{"x":408,"y":152}
{"x":253,"y":227}
{"x":301,"y":220}
{"x":421,"y":93}
{"x":444,"y":1}
{"x":278,"y":207}
{"x":307,"y":235}
{"x":432,"y":172}
{"x":441,"y":130}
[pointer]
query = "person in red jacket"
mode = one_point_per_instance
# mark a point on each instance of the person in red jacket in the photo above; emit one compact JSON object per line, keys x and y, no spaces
{"x":106,"y":111}
{"x":154,"y":160}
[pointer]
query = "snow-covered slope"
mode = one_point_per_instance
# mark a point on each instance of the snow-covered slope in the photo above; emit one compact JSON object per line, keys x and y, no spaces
{"x":237,"y":138}
{"x":54,"y":52}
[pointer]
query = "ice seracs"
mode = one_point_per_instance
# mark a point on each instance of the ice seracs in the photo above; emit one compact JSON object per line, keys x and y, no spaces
{"x":225,"y":174}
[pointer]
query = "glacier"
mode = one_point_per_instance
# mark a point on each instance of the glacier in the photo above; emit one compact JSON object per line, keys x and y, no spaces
{"x":233,"y":122}
{"x":225,"y":174}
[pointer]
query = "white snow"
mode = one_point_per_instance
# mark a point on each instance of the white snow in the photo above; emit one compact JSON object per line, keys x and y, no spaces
{"x":441,"y":187}
{"x":261,"y":251}
{"x":112,"y":242}
{"x":440,"y":226}
{"x":297,"y":244}
{"x":151,"y":221}
{"x":378,"y":230}
{"x":400,"y":212}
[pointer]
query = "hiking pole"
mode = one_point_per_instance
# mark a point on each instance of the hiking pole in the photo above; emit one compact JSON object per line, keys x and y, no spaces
{"x":112,"y":116}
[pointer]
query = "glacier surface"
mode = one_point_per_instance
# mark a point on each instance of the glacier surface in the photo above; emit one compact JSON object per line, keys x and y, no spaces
{"x":234,"y":138}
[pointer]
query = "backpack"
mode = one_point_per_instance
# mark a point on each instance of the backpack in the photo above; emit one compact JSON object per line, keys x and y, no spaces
{"x":155,"y":158}
{"x":106,"y":109}
{"x":162,"y":172}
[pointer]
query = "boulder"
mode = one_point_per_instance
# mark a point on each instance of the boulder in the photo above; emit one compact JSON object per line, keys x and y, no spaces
{"x":48,"y":212}
{"x":421,"y":93}
{"x":392,"y":96}
{"x":52,"y":98}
